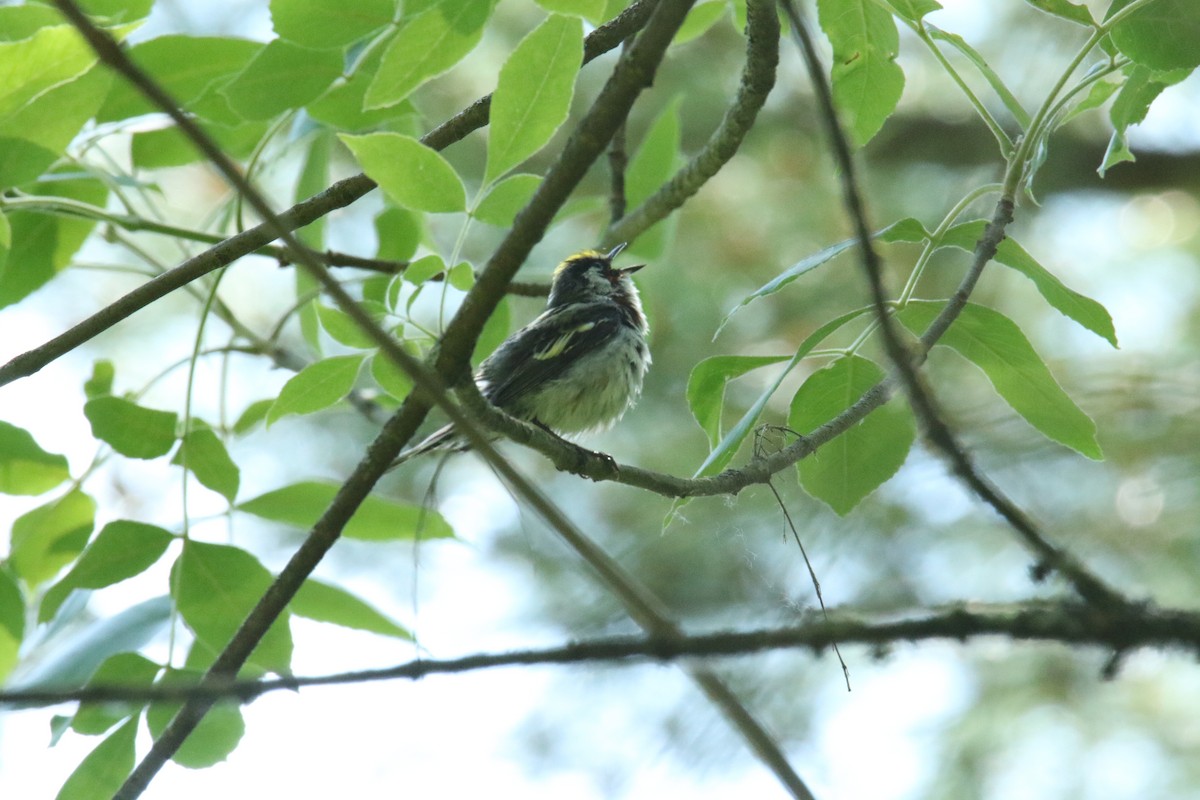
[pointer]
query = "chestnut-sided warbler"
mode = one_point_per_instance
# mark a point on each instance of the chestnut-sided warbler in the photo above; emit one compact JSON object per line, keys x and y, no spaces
{"x":575,"y":368}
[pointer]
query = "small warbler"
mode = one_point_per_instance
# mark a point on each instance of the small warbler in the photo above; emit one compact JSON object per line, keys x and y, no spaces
{"x":575,"y":368}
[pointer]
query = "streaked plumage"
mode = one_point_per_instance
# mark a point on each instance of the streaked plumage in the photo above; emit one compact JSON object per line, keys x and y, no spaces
{"x":577,"y":367}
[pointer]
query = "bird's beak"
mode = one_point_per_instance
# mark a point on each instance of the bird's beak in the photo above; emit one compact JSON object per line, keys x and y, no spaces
{"x":631,"y":270}
{"x":616,"y":251}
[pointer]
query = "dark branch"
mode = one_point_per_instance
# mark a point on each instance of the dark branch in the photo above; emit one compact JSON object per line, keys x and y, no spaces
{"x":1066,"y":623}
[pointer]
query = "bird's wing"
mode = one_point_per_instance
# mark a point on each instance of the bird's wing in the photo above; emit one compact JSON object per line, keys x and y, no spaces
{"x":545,"y":348}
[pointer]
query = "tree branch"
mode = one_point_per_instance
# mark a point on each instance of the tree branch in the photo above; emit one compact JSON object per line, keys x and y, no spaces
{"x":1068,"y":623}
{"x":758,"y":78}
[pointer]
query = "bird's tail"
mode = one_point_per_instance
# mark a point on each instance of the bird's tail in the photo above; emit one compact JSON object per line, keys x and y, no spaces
{"x":443,"y":438}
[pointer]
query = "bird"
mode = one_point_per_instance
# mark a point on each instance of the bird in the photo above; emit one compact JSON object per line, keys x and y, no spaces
{"x":578,"y":367}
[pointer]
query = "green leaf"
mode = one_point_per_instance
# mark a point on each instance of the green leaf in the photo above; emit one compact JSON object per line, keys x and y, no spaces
{"x":654,"y":162}
{"x":204,"y":454}
{"x":727,"y":448}
{"x":591,"y":10}
{"x":985,"y":69}
{"x":12,"y":620}
{"x":52,"y":119}
{"x":282,"y":76}
{"x":112,"y":11}
{"x":255,"y":413}
{"x":706,"y":388}
{"x":215,"y":587}
{"x":51,"y":536}
{"x":424,"y":268}
{"x":131,"y":670}
{"x":1083,"y":310}
{"x":1065,"y":9}
{"x":390,"y":378}
{"x":122,"y":549}
{"x":867,"y":82}
{"x":914,"y":9}
{"x":324,"y":602}
{"x":329,"y":23}
{"x":1141,"y":88}
{"x":132,"y":430}
{"x":183,"y":65}
{"x":343,"y":329}
{"x":25,"y":468}
{"x":399,"y":232}
{"x":214,"y":738}
{"x":495,"y":331}
{"x":461,"y":276}
{"x":30,"y":67}
{"x":43,"y":244}
{"x":21,"y":22}
{"x":377,"y":519}
{"x":996,"y":345}
{"x":429,"y":44}
{"x":104,"y":769}
{"x":411,"y":174}
{"x":787,"y":276}
{"x":854,"y":464}
{"x":533,"y":94}
{"x":506,"y":198}
{"x":1161,"y":35}
{"x":101,"y":381}
{"x":316,"y":387}
{"x":697,"y":22}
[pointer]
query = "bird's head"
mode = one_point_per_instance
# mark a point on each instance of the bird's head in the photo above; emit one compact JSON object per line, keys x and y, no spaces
{"x":589,"y":276}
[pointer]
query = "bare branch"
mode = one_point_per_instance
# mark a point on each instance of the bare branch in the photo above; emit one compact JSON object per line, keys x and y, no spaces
{"x":1067,"y":623}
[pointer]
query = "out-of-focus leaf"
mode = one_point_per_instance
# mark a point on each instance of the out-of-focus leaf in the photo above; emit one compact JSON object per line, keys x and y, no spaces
{"x":377,"y":519}
{"x":215,"y":587}
{"x":49,"y":537}
{"x":411,"y":174}
{"x":316,"y":387}
{"x":122,"y":549}
{"x":867,"y":82}
{"x":132,"y":430}
{"x":706,"y":387}
{"x":430,"y":43}
{"x":533,"y":94}
{"x":1161,"y":35}
{"x":324,"y":602}
{"x":25,"y":468}
{"x":506,"y":198}
{"x":183,"y":65}
{"x":329,"y":23}
{"x":104,"y":769}
{"x":214,"y":738}
{"x":131,"y":670}
{"x":280,"y":77}
{"x":204,"y":454}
